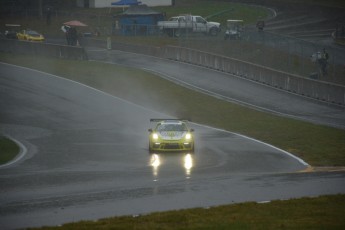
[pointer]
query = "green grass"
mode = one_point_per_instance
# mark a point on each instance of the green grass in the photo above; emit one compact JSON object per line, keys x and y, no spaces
{"x":325,"y":212}
{"x":8,"y":150}
{"x":318,"y":145}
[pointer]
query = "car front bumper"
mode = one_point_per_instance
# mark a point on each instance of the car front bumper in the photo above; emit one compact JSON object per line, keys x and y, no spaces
{"x":171,"y":146}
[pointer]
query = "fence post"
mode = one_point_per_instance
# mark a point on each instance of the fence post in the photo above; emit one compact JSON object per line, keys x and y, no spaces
{"x":108,"y":43}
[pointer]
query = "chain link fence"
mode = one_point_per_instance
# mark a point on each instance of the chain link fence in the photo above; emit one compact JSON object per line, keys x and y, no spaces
{"x":271,"y":50}
{"x":279,"y":52}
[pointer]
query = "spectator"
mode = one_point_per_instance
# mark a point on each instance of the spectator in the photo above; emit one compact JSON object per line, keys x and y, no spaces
{"x":49,"y":14}
{"x":260,"y":25}
{"x":66,"y":29}
{"x":73,"y":36}
{"x":323,"y":62}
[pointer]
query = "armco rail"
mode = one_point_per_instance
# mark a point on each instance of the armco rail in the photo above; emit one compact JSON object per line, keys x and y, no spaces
{"x":323,"y":91}
{"x":42,"y":49}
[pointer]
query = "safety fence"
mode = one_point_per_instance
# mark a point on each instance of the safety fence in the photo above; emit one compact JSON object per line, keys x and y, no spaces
{"x":316,"y":89}
{"x":271,"y":49}
{"x":42,"y":49}
{"x":319,"y":90}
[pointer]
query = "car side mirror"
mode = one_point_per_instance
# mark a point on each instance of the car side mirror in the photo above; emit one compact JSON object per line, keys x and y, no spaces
{"x":150,"y":130}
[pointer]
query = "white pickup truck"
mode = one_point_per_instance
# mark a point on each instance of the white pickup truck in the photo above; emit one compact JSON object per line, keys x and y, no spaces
{"x":188,"y":23}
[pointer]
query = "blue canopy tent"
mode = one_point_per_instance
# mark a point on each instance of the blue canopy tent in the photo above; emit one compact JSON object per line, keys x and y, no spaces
{"x":126,"y":2}
{"x":139,"y":20}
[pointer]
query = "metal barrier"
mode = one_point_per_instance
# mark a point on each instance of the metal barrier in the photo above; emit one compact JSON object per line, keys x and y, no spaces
{"x":43,"y":49}
{"x":323,"y":91}
{"x":316,"y":89}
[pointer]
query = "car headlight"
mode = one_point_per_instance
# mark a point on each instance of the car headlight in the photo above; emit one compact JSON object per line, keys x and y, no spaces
{"x":188,"y":136}
{"x":155,"y":136}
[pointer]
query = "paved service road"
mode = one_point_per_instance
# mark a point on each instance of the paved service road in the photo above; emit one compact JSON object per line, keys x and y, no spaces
{"x":231,"y":88}
{"x":85,"y":156}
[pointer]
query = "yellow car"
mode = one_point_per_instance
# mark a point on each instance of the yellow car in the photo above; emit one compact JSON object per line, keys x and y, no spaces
{"x":30,"y":35}
{"x":171,"y":135}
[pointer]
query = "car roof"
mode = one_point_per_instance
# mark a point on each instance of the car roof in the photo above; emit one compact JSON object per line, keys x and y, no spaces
{"x":177,"y":122}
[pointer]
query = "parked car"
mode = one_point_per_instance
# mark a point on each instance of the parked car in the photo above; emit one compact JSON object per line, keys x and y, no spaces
{"x":30,"y":35}
{"x":188,"y":23}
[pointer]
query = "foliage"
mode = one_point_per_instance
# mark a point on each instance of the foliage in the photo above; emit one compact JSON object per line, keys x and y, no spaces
{"x":8,"y":150}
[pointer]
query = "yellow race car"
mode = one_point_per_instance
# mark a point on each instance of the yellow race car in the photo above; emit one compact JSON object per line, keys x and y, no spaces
{"x":171,"y":135}
{"x":30,"y":35}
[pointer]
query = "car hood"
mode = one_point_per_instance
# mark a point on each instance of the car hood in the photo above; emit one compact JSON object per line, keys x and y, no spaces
{"x":172,"y":135}
{"x":217,"y":24}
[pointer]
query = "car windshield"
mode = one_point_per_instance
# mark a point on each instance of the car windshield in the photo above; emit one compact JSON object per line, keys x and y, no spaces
{"x":172,"y":127}
{"x":32,"y":33}
{"x":173,"y":19}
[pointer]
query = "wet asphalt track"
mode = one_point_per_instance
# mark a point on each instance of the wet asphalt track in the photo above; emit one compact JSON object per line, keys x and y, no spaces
{"x":230,"y":87}
{"x":86,"y":158}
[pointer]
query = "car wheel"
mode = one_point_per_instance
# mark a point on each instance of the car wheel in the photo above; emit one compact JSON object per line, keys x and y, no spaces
{"x":169,"y":32}
{"x":177,"y":33}
{"x":150,"y":149}
{"x":214,"y":31}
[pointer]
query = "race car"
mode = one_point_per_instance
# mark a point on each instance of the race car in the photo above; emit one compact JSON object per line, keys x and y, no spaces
{"x":30,"y":35}
{"x":171,"y":135}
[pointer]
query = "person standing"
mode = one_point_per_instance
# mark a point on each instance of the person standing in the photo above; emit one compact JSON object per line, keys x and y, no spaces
{"x":324,"y":61}
{"x":49,"y":14}
{"x":260,"y":25}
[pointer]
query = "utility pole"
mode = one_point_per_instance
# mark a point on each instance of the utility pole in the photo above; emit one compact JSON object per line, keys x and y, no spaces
{"x":40,"y":8}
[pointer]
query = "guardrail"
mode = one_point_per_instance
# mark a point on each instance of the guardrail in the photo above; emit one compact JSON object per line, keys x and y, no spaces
{"x":43,"y":49}
{"x":319,"y":90}
{"x":316,"y":89}
{"x":323,"y":91}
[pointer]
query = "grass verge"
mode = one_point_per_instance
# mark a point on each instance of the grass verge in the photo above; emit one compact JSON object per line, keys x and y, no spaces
{"x":325,"y":212}
{"x":8,"y":150}
{"x":316,"y":144}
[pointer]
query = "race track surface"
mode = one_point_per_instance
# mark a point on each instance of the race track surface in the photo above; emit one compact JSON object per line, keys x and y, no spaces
{"x":229,"y":87}
{"x":85,"y":156}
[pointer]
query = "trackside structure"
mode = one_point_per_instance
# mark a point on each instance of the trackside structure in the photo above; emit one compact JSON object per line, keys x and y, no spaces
{"x":108,"y":3}
{"x":315,"y":89}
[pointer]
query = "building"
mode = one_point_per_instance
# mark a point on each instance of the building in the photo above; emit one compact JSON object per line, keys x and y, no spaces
{"x":107,"y":3}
